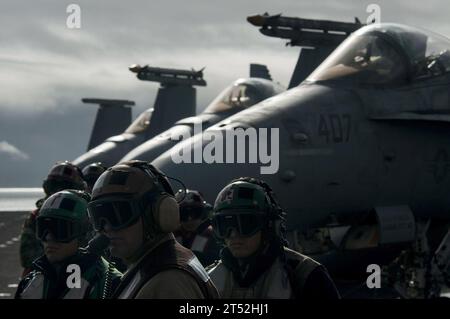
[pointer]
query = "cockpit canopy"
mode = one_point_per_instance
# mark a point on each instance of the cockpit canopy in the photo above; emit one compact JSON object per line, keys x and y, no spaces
{"x":242,"y":94}
{"x":141,"y":123}
{"x":386,"y":54}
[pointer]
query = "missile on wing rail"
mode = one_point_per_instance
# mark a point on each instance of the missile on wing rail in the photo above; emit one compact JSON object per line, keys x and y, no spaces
{"x":318,"y":38}
{"x":167,"y":76}
{"x":304,"y":32}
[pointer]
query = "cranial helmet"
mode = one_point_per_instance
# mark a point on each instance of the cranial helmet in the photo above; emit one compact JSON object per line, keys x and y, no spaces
{"x":92,"y":172}
{"x":132,"y":189}
{"x":63,"y":175}
{"x":248,"y":205}
{"x":64,"y":214}
{"x":192,"y":204}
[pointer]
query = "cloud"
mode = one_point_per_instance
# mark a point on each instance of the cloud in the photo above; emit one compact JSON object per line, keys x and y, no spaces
{"x":45,"y":65}
{"x":13,"y":151}
{"x":47,"y":68}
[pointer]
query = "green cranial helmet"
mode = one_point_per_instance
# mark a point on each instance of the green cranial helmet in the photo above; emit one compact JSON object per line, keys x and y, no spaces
{"x":248,"y":205}
{"x":64,"y":214}
{"x":242,"y":196}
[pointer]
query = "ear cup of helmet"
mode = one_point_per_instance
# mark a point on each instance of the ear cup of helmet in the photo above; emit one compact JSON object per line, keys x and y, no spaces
{"x":166,"y":213}
{"x":165,"y":210}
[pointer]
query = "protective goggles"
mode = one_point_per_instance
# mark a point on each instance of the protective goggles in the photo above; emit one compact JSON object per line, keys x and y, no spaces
{"x":245,"y":223}
{"x":118,"y":213}
{"x":192,"y":212}
{"x":62,"y":230}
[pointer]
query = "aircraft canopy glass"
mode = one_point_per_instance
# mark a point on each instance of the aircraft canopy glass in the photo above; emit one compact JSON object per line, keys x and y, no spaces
{"x":386,"y":54}
{"x":239,"y":95}
{"x":141,"y":123}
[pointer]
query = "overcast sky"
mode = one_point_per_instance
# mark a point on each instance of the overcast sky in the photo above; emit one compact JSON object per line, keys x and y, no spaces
{"x":46,"y":68}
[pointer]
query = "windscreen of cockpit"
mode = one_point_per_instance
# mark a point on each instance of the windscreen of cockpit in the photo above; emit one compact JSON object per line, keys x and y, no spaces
{"x":428,"y":52}
{"x":235,"y":96}
{"x":386,"y":54}
{"x":367,"y":58}
{"x":141,"y":123}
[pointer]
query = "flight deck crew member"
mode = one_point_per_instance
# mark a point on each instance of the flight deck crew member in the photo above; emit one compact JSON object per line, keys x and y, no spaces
{"x":63,"y":175}
{"x":255,"y":262}
{"x":62,"y":226}
{"x":91,"y":173}
{"x":195,"y":231}
{"x":134,"y":206}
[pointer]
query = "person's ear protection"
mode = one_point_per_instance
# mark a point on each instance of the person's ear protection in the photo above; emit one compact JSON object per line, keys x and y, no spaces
{"x":164,"y":212}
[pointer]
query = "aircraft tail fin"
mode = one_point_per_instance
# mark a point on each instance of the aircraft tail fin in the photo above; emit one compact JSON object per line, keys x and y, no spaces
{"x":308,"y":60}
{"x":259,"y":71}
{"x":116,"y":112}
{"x":172,"y":103}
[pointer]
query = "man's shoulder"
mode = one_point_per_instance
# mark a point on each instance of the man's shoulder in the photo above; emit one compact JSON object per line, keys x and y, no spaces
{"x":27,"y":280}
{"x":295,"y":258}
{"x":171,"y":283}
{"x":31,"y":275}
{"x":311,"y":279}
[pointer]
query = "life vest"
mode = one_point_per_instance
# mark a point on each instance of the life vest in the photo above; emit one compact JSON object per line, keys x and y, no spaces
{"x":283,"y":280}
{"x":37,"y":287}
{"x":167,"y":255}
{"x":98,"y":279}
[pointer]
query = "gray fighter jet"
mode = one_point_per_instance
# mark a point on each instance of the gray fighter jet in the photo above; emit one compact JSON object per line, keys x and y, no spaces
{"x":243,"y":93}
{"x":240,"y":95}
{"x":175,"y":100}
{"x":358,"y":155}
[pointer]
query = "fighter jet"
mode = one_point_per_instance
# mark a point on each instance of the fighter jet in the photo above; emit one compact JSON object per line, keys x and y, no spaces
{"x":316,"y":42}
{"x":175,"y":100}
{"x":363,"y":149}
{"x":240,"y":95}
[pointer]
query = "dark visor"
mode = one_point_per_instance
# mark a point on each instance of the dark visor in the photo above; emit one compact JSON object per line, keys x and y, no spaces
{"x":62,"y":230}
{"x":118,"y":213}
{"x":245,"y":223}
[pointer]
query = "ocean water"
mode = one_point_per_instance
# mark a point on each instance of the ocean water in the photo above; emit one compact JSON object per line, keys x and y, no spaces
{"x":19,"y":199}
